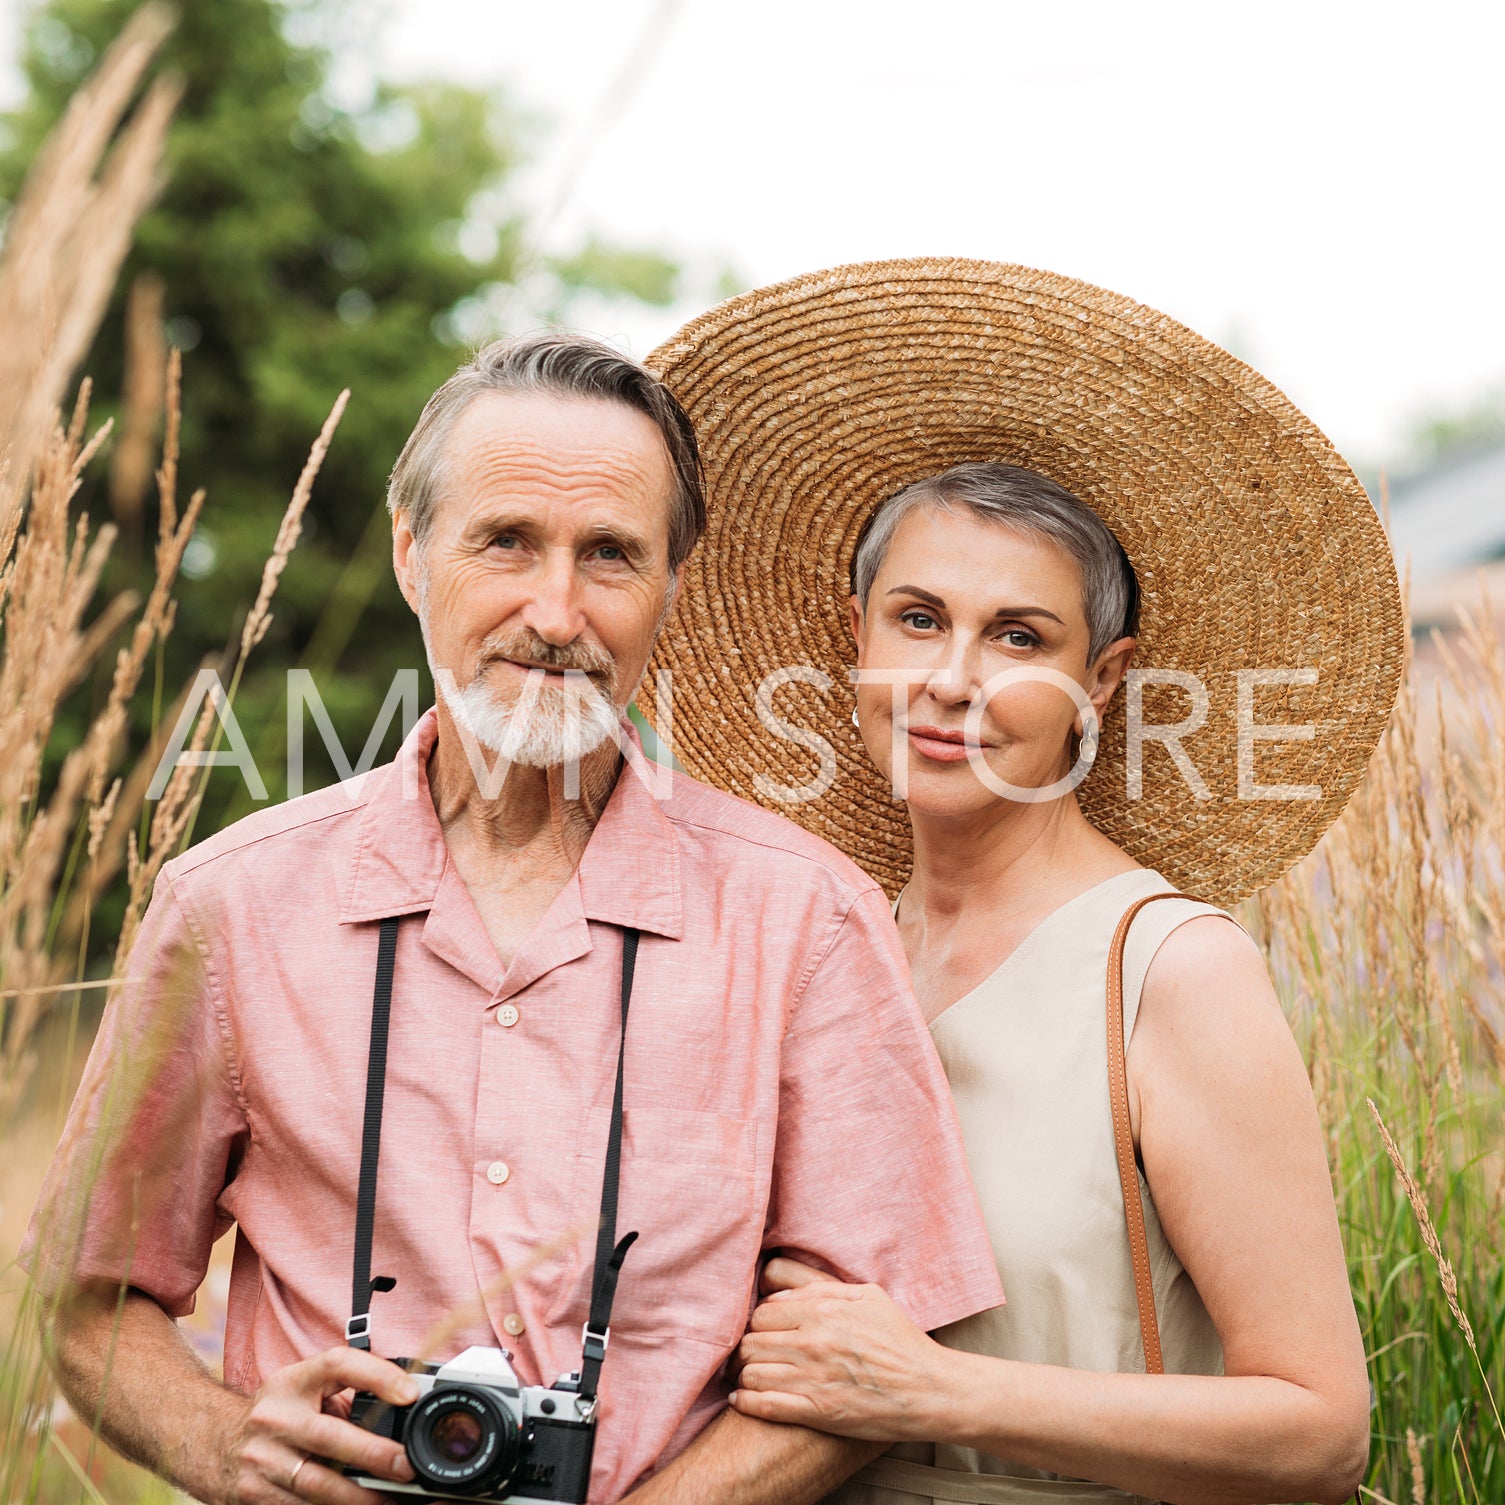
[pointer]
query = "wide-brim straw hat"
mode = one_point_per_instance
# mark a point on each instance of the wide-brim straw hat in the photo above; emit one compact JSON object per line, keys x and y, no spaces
{"x":1255,"y":546}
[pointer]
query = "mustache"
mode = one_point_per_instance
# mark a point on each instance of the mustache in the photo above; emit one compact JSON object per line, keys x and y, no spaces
{"x":589,"y":658}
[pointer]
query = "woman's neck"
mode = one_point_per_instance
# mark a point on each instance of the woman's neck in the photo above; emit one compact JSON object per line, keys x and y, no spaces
{"x":1012,"y":858}
{"x":982,"y":884}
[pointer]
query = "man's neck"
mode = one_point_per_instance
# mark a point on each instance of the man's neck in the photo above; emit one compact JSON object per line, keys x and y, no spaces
{"x":515,"y":834}
{"x":500,"y":810}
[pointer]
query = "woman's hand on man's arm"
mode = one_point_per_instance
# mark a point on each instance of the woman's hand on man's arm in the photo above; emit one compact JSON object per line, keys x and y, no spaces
{"x":841,"y":1358}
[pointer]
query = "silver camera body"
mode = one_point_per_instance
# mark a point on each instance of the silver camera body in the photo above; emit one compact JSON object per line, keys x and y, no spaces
{"x":476,"y":1432}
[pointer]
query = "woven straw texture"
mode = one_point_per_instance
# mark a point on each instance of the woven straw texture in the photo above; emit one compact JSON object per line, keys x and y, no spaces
{"x":1255,"y":545}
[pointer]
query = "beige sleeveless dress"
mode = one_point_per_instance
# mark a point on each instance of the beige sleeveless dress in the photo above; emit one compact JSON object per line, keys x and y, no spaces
{"x":1026,"y":1055}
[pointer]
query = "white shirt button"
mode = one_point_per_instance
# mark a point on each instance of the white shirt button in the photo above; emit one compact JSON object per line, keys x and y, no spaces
{"x":513,"y":1325}
{"x":507,"y":1015}
{"x":497,"y":1172}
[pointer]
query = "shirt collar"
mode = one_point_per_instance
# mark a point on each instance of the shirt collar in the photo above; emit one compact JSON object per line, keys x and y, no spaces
{"x":630,"y":873}
{"x":400,"y":854}
{"x":628,"y":876}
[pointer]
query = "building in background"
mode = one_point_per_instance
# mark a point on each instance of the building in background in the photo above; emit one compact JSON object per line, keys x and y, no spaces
{"x":1448,"y":521}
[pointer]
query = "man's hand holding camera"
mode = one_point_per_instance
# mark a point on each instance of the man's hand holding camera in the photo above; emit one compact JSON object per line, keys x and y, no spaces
{"x":293,"y":1429}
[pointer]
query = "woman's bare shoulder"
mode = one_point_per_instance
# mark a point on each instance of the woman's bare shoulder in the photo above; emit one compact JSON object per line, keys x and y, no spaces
{"x":1209,"y":1010}
{"x":1209,"y":1024}
{"x":1205,"y":952}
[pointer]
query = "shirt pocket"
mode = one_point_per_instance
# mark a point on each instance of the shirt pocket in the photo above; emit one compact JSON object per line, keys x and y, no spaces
{"x":687,"y":1189}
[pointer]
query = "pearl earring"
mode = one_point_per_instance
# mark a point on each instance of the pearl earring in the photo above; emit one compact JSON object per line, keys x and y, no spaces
{"x":1088,"y":749}
{"x":855,"y":721}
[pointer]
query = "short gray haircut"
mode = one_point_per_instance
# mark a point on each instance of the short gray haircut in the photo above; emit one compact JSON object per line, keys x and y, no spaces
{"x":1027,"y":502}
{"x":561,"y":364}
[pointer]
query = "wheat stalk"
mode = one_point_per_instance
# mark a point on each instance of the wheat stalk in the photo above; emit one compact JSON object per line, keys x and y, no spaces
{"x":1418,"y":1473}
{"x":146,"y":360}
{"x":288,"y":531}
{"x":1434,"y":1247}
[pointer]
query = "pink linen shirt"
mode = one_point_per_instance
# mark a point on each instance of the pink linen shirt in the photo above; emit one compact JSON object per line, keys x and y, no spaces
{"x":781,"y":1093}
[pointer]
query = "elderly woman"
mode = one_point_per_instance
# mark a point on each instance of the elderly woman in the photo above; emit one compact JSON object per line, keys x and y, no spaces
{"x":1140,"y":1128}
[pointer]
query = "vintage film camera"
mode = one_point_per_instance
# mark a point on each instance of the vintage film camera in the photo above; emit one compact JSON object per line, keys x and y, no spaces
{"x":477,"y":1433}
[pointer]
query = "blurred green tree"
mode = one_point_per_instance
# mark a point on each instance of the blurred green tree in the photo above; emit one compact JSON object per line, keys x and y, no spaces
{"x":305,"y":245}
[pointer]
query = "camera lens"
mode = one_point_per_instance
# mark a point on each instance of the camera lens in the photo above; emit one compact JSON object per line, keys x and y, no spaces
{"x":457,"y":1435}
{"x":462,"y":1438}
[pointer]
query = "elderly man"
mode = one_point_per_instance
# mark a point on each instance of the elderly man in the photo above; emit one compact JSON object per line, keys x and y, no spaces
{"x":521,"y":880}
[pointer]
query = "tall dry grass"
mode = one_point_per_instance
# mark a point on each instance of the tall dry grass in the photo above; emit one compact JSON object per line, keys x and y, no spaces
{"x":74,"y":826}
{"x":67,"y":235}
{"x":66,"y":239}
{"x":1388,"y":945}
{"x":65,"y":242}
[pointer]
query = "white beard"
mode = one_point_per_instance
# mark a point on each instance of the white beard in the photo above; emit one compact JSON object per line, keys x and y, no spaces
{"x":546,"y":726}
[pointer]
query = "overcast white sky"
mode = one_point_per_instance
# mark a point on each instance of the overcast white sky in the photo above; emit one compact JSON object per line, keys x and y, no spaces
{"x":1316,"y":185}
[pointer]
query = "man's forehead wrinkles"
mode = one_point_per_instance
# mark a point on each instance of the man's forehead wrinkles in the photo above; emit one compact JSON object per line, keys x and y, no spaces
{"x":605,"y":453}
{"x":559,"y":468}
{"x":513,"y":472}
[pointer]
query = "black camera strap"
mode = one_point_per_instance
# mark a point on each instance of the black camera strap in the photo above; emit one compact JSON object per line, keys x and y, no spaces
{"x":610,"y":1252}
{"x":358,"y":1328}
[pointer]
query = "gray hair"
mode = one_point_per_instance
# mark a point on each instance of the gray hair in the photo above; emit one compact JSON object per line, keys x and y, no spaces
{"x":1027,"y":502}
{"x":564,"y":365}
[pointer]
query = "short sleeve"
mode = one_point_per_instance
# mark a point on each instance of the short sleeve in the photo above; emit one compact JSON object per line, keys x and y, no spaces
{"x":870,"y":1177}
{"x":154,"y":1133}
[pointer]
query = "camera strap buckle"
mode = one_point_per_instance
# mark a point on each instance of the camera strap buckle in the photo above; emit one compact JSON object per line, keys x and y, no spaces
{"x":358,"y":1331}
{"x":594,"y":1344}
{"x":596,"y":1334}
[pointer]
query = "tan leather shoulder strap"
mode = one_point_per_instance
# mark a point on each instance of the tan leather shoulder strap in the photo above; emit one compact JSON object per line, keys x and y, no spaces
{"x":1123,"y":1139}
